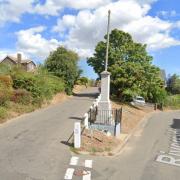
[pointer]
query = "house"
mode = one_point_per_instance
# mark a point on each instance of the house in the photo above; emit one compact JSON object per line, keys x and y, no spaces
{"x":26,"y":64}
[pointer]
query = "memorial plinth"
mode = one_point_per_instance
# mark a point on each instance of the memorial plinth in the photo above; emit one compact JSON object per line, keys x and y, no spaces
{"x":104,"y":105}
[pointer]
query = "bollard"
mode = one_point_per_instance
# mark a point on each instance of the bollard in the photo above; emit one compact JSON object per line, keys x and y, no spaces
{"x":117,"y":129}
{"x":86,"y":124}
{"x":77,"y":135}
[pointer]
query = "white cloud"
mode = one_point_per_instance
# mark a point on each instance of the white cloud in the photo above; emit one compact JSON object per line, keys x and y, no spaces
{"x":146,"y":1}
{"x":177,"y":24}
{"x":31,"y":42}
{"x":83,"y":30}
{"x":6,"y":52}
{"x":63,"y":24}
{"x":86,"y":4}
{"x":160,"y":41}
{"x":51,"y":7}
{"x":88,"y":27}
{"x":167,"y":14}
{"x":12,"y":10}
{"x":147,"y":28}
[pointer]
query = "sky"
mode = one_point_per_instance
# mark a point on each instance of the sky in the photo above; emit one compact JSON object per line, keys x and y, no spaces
{"x":37,"y":27}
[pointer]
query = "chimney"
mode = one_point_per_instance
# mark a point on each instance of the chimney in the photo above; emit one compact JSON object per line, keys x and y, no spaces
{"x":19,"y":58}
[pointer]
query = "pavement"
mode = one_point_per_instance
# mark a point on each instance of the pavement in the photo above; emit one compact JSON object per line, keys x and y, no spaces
{"x":32,"y":147}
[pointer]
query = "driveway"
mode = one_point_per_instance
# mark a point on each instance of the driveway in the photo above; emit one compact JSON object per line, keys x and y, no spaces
{"x":31,"y":146}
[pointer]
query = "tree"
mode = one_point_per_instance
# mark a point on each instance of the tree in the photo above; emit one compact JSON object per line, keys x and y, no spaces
{"x":173,"y":84}
{"x":63,"y":63}
{"x":82,"y":81}
{"x":132,"y":72}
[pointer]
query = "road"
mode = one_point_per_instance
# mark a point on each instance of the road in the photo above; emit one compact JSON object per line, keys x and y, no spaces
{"x":31,"y":146}
{"x":157,"y":136}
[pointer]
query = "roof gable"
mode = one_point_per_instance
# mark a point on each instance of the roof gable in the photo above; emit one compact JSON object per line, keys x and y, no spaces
{"x":14,"y":60}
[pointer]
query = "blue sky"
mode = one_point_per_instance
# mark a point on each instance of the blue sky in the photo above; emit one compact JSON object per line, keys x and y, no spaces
{"x":36,"y":27}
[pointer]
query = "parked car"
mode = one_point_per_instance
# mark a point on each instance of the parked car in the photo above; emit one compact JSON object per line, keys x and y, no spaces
{"x":138,"y":100}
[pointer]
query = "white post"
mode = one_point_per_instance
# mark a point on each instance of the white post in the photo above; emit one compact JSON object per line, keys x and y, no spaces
{"x":77,"y":135}
{"x":86,"y":124}
{"x":118,"y":129}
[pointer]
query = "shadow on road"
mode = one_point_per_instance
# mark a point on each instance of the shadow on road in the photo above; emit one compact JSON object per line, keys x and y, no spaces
{"x":91,"y":95}
{"x":67,"y":143}
{"x":176,"y":126}
{"x":76,"y":118}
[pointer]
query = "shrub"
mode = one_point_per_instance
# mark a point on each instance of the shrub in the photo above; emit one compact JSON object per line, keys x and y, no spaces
{"x":21,"y":96}
{"x":42,"y":87}
{"x":6,"y":80}
{"x":28,"y":82}
{"x":173,"y":101}
{"x":82,"y":81}
{"x":5,"y":94}
{"x":3,"y":112}
{"x":5,"y":69}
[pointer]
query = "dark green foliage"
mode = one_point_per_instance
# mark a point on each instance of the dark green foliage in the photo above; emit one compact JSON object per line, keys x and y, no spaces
{"x":41,"y":86}
{"x":173,"y":84}
{"x":132,"y":72}
{"x":82,"y":81}
{"x":63,"y":63}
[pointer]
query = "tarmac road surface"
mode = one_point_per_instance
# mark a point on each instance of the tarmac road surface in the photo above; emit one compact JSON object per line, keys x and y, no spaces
{"x":152,"y":153}
{"x":31,"y":146}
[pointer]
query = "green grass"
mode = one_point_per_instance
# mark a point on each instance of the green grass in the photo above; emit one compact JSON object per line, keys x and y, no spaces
{"x":173,"y":101}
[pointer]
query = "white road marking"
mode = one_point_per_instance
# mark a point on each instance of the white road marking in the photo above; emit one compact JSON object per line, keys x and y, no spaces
{"x":87,"y":175}
{"x":88,"y":163}
{"x":69,"y":173}
{"x":74,"y":160}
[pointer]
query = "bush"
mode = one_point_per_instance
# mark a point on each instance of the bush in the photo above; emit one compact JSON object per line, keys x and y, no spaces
{"x":5,"y":69}
{"x":21,"y":96}
{"x":6,"y":80}
{"x":5,"y":94}
{"x":82,"y":81}
{"x":3,"y":112}
{"x":172,"y":101}
{"x":42,"y":87}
